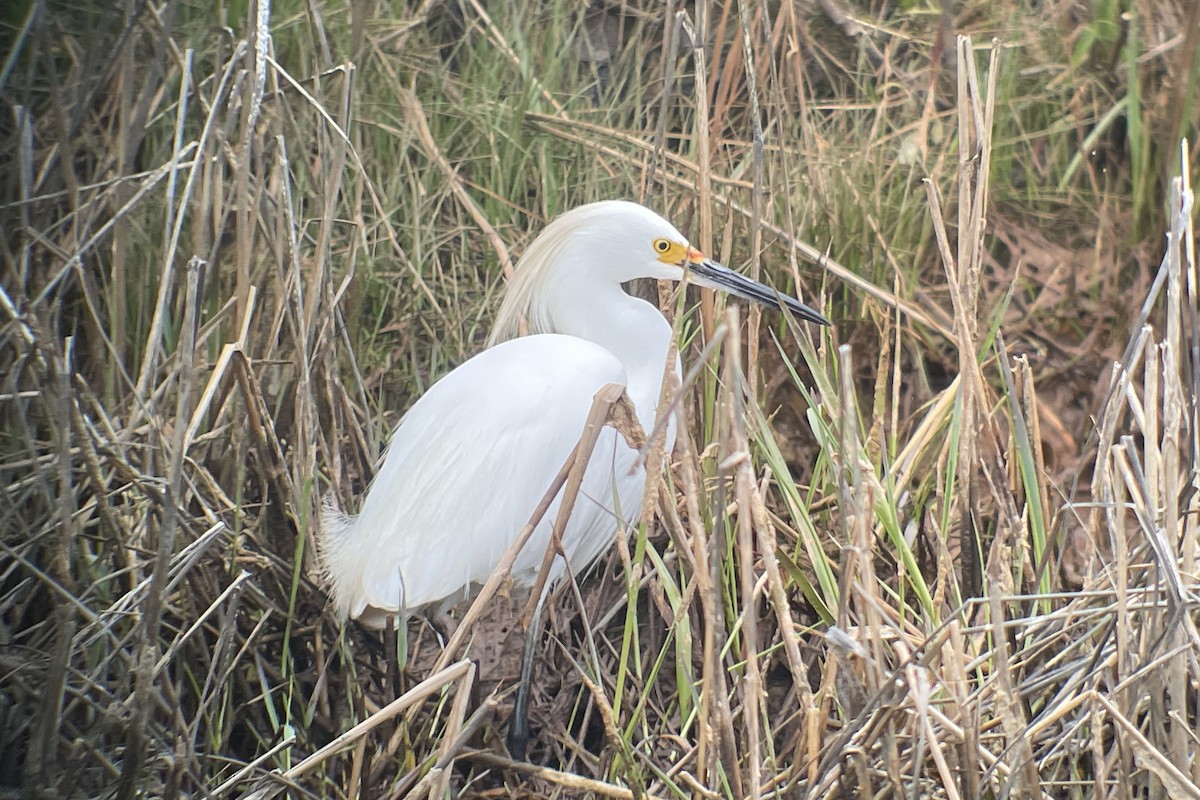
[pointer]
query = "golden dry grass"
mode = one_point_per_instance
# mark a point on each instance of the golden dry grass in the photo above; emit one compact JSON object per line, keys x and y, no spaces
{"x":947,"y":549}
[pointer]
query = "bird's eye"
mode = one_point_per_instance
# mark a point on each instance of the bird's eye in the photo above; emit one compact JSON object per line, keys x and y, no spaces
{"x":662,"y":245}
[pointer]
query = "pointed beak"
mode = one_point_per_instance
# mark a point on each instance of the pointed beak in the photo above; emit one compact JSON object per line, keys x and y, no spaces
{"x":708,"y":273}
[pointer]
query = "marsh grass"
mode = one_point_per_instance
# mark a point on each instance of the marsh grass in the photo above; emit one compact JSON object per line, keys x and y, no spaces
{"x":945,"y":549}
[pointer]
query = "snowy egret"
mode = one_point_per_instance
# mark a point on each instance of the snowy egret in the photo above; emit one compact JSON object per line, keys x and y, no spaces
{"x":474,"y":456}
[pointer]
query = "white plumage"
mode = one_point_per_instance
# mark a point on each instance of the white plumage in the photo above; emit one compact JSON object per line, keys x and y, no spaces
{"x":470,"y":461}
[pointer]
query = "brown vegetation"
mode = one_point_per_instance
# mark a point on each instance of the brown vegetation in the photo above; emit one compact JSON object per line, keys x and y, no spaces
{"x":959,"y":561}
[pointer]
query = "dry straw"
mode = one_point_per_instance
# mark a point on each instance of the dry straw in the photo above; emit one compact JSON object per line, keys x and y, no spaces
{"x":191,"y":357}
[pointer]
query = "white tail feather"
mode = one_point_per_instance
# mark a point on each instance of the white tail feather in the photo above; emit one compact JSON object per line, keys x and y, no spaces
{"x":335,"y":548}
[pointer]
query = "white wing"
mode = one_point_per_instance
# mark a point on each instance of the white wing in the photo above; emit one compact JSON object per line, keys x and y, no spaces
{"x":465,"y":470}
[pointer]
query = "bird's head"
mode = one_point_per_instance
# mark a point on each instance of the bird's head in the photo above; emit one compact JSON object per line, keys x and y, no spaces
{"x":615,"y":241}
{"x":620,"y":241}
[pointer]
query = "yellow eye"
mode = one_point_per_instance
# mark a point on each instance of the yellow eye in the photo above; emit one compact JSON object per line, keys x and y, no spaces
{"x":662,"y":245}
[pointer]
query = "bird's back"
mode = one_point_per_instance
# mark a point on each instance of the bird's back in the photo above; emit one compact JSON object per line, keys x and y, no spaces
{"x":465,"y":470}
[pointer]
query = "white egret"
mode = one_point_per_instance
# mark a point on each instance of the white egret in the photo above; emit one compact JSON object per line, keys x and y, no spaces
{"x":474,"y":456}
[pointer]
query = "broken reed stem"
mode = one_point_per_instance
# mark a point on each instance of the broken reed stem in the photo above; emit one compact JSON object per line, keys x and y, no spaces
{"x":608,"y":403}
{"x":605,"y":398}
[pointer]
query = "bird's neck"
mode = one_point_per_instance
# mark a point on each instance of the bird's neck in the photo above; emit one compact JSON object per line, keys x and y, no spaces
{"x":628,"y":327}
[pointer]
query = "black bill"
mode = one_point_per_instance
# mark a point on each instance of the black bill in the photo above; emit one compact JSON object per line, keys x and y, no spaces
{"x":712,"y":275}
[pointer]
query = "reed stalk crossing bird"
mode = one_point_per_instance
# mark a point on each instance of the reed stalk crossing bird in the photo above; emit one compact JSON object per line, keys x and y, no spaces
{"x":472,"y":458}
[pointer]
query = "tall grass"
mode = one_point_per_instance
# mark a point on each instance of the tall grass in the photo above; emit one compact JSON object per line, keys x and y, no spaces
{"x":945,"y":549}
